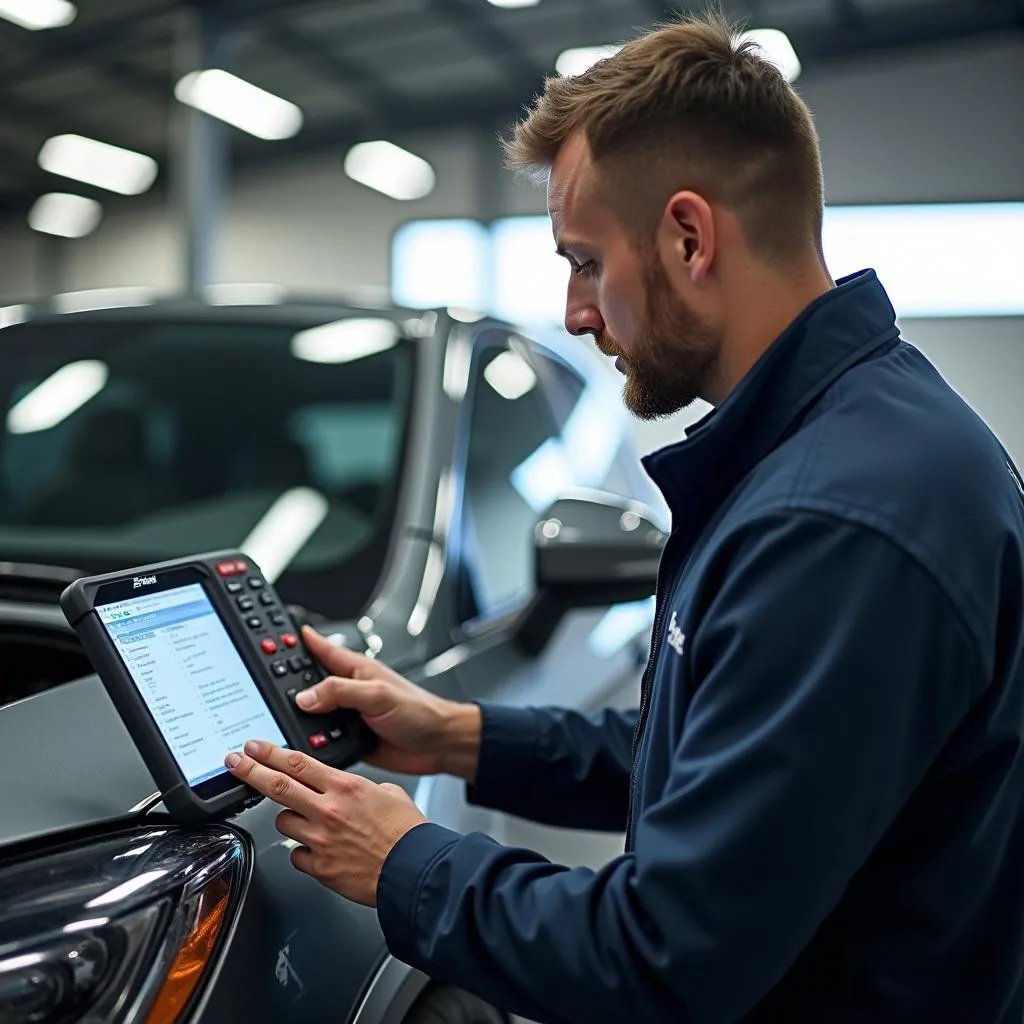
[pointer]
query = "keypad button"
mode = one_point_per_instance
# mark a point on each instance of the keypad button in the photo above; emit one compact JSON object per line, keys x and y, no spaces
{"x":317,"y":740}
{"x":233,"y":587}
{"x":246,"y":604}
{"x":335,"y":734}
{"x":254,"y":622}
{"x":268,"y":647}
{"x":294,"y":664}
{"x":308,"y":678}
{"x":305,"y":661}
{"x":255,"y":583}
{"x":233,"y":568}
{"x":291,"y":693}
{"x":289,"y":640}
{"x":278,"y":619}
{"x":266,"y":597}
{"x":279,"y":668}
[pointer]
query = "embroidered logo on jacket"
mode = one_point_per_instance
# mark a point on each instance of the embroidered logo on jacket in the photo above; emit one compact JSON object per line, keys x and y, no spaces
{"x":676,"y":638}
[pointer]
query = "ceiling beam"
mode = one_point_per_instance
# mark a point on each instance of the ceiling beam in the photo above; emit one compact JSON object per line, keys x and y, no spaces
{"x":357,"y":80}
{"x":472,"y":20}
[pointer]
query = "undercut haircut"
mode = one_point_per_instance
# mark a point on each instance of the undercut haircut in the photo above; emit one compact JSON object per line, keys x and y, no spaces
{"x":688,"y":107}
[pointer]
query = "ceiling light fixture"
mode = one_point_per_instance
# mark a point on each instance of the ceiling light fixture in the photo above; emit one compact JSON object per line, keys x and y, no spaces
{"x":37,"y":14}
{"x":285,"y":529}
{"x":575,"y":61}
{"x":97,"y":163}
{"x":239,"y":103}
{"x":62,"y":393}
{"x":64,"y":215}
{"x":777,"y":50}
{"x":90,"y":299}
{"x":344,"y":341}
{"x":510,"y":375}
{"x":10,"y":316}
{"x":513,"y":4}
{"x":227,"y":294}
{"x":389,"y":169}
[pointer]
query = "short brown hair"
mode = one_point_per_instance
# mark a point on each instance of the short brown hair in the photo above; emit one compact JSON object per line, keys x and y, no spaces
{"x":687,"y":107}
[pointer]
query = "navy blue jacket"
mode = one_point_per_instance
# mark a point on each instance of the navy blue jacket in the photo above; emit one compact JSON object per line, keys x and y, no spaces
{"x":826,"y":820}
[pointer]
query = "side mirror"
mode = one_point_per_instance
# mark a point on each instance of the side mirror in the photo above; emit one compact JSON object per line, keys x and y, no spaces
{"x":590,"y":549}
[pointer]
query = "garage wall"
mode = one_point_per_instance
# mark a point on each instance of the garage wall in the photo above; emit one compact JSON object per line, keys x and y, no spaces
{"x":939,"y":124}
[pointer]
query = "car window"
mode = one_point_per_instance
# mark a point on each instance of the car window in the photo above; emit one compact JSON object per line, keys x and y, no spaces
{"x":131,"y":442}
{"x":592,"y":427}
{"x":511,"y":431}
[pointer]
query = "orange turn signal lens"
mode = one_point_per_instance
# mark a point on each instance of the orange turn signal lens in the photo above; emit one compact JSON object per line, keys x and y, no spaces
{"x":194,"y":955}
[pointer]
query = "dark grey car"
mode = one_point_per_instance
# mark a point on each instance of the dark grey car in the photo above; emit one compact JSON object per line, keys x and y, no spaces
{"x":396,"y":474}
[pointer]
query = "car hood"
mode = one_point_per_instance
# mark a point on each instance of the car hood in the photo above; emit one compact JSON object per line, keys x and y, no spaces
{"x":66,"y":761}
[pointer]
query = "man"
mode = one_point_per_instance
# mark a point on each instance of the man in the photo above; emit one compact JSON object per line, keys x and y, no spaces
{"x":823,"y":788}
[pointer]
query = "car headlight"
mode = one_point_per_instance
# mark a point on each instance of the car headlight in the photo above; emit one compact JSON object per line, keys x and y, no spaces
{"x":118,"y":929}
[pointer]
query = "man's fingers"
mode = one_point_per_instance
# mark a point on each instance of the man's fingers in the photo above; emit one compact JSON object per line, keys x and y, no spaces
{"x":294,"y":826}
{"x":302,"y":859}
{"x":280,"y":787}
{"x":368,"y":697}
{"x":337,"y":660}
{"x":301,"y":767}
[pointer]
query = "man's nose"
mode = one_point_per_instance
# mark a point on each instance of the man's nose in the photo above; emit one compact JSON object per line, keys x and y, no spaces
{"x":582,"y":315}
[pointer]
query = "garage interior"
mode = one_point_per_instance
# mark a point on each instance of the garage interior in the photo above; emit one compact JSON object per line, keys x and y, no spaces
{"x":264,"y":155}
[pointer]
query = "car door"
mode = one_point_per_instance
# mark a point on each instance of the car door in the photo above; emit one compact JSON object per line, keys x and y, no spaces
{"x":535,"y":426}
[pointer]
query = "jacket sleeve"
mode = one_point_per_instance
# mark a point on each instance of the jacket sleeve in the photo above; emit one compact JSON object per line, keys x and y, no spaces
{"x":830,"y":669}
{"x":556,"y":767}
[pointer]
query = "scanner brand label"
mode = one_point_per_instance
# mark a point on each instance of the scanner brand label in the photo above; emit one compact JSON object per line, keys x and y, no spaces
{"x":143,"y":581}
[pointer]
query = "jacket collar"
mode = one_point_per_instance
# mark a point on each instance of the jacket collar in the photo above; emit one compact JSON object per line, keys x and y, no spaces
{"x":836,"y":331}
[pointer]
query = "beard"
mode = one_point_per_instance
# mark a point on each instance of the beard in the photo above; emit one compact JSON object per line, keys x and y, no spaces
{"x":674,"y":357}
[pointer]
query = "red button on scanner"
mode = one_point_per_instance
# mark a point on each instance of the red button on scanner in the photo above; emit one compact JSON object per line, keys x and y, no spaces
{"x":235,"y":568}
{"x":317,"y":740}
{"x":289,"y":640}
{"x":268,"y":647}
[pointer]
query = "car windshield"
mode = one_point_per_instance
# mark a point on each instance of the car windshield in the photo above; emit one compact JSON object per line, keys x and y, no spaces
{"x":132,"y":442}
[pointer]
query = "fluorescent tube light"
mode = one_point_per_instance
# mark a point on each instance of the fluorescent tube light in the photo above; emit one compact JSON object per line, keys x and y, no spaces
{"x":581,"y":58}
{"x":102,"y":298}
{"x":37,"y":14}
{"x":513,"y":4}
{"x":97,"y":163}
{"x":388,"y":168}
{"x":245,"y":294}
{"x":284,"y":530}
{"x":776,"y":48}
{"x":510,"y":375}
{"x":64,"y":215}
{"x":57,"y":397}
{"x":11,"y":315}
{"x":239,"y":103}
{"x":344,"y":341}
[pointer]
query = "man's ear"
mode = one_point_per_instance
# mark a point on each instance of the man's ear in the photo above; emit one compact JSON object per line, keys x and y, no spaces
{"x":690,"y":225}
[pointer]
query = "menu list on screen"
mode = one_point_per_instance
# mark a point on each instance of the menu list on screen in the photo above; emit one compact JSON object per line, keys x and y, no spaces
{"x":191,"y":677}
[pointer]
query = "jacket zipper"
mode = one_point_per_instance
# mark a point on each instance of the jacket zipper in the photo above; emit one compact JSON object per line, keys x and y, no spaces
{"x":645,"y":690}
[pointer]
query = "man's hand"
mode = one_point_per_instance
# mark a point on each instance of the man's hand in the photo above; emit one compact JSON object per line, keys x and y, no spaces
{"x":419,"y":733}
{"x":346,"y":825}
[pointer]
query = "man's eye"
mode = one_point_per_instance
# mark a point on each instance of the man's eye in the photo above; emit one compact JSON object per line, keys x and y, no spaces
{"x":588,"y":269}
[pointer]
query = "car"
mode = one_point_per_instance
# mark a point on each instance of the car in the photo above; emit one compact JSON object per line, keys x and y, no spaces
{"x":435,"y":488}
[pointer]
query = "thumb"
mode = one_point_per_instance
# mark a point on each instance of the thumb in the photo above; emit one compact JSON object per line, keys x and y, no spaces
{"x":338,"y":660}
{"x":369,"y":698}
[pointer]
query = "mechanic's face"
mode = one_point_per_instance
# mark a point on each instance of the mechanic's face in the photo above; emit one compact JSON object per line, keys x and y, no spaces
{"x":625,"y":297}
